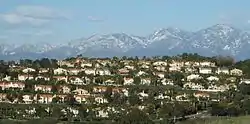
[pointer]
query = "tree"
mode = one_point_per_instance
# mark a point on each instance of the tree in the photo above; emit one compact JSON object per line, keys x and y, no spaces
{"x":134,"y":99}
{"x":218,"y":109}
{"x":118,"y":99}
{"x":20,"y":98}
{"x":56,"y":99}
{"x":69,"y":99}
{"x":244,"y":88}
{"x":137,"y":80}
{"x":224,"y":61}
{"x":246,"y":106}
{"x":83,"y":111}
{"x":165,"y":111}
{"x":54,"y":89}
{"x":135,"y":116}
{"x":56,"y":112}
{"x":40,"y":111}
{"x":177,"y":78}
{"x":11,"y":97}
{"x":108,"y":94}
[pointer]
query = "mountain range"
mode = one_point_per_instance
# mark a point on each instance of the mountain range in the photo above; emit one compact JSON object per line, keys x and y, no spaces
{"x":219,"y":39}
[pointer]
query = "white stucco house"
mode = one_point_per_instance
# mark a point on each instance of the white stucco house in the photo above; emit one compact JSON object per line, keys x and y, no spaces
{"x":28,"y":70}
{"x":222,"y":71}
{"x":60,"y":71}
{"x":236,"y":72}
{"x":205,"y":70}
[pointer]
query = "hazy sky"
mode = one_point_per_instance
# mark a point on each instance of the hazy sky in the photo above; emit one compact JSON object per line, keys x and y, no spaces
{"x":58,"y":21}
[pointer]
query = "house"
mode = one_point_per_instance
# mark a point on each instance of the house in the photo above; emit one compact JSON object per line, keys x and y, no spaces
{"x":3,"y":97}
{"x":74,"y":71}
{"x":190,"y":70}
{"x":86,"y":64}
{"x":43,"y":70}
{"x":222,"y":71}
{"x":125,"y":92}
{"x":81,"y":98}
{"x":109,"y":82}
{"x":70,"y":64}
{"x":176,"y":64}
{"x":193,"y":77}
{"x":165,"y":81}
{"x":45,"y":98}
{"x":129,"y":67}
{"x":27,"y":99}
{"x":213,"y":78}
{"x":65,"y":63}
{"x":87,"y":79}
{"x":145,"y":66}
{"x":246,"y":81}
{"x":160,"y":63}
{"x":61,"y":78}
{"x":162,"y":96}
{"x":25,"y":77}
{"x":76,"y":81}
{"x":28,"y":70}
{"x":103,"y":72}
{"x":143,"y":95}
{"x":7,"y":78}
{"x":232,"y":79}
{"x":188,"y":64}
{"x":123,"y":71}
{"x":89,"y":71}
{"x":196,"y":64}
{"x":160,"y":68}
{"x":174,"y":68}
{"x":65,"y":89}
{"x":126,"y":62}
{"x":118,"y":90}
{"x":61,"y":63}
{"x":43,"y":88}
{"x":128,"y":81}
{"x":193,"y":86}
{"x":80,"y":91}
{"x":205,"y":70}
{"x":100,"y":100}
{"x":236,"y":72}
{"x":182,"y":97}
{"x":144,"y":62}
{"x":214,"y":88}
{"x":201,"y":95}
{"x":102,"y":114}
{"x":104,"y":62}
{"x":145,"y":81}
{"x":159,"y":74}
{"x":60,"y":71}
{"x":42,"y":77}
{"x":62,"y":97}
{"x":14,"y":85}
{"x":99,"y":89}
{"x":207,"y":64}
{"x":140,"y":73}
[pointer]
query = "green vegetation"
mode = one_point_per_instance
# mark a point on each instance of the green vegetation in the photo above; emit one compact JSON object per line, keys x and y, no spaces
{"x":158,"y":95}
{"x":219,"y":120}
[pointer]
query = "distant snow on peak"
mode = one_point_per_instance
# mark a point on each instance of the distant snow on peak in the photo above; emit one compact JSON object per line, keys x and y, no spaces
{"x":221,"y":39}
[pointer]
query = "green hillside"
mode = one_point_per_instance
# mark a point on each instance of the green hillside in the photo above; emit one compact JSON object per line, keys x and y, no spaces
{"x":220,"y":120}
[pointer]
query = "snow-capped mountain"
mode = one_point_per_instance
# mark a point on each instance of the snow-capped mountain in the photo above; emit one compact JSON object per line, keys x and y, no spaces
{"x":218,"y":39}
{"x":116,"y":41}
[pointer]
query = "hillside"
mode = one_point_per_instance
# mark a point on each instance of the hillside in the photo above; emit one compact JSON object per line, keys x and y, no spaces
{"x":220,"y":120}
